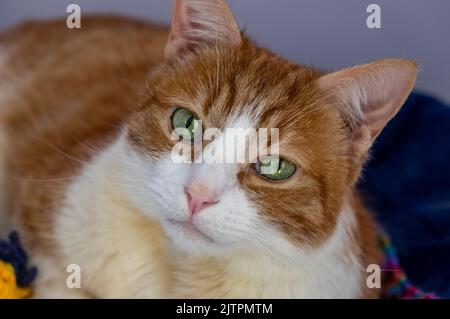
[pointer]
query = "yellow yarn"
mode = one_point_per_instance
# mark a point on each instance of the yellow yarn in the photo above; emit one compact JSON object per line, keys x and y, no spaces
{"x":8,"y":284}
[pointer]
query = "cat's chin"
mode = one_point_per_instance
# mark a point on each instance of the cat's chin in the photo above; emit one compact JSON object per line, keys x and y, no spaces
{"x":190,"y":239}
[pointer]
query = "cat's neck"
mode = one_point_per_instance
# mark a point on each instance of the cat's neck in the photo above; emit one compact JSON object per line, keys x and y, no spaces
{"x":99,"y":207}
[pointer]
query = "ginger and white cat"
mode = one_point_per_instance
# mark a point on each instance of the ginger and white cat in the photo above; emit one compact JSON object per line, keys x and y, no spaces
{"x":86,"y":118}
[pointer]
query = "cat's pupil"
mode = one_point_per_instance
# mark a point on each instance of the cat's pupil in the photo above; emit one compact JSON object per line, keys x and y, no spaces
{"x":280,"y":163}
{"x":189,"y":121}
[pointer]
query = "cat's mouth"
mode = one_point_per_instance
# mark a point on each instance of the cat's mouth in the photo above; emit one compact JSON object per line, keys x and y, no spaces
{"x":189,"y":229}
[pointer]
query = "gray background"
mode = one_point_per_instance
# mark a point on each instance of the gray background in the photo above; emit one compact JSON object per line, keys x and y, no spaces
{"x":329,"y":34}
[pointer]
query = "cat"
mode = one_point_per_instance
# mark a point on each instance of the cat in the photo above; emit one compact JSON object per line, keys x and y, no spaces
{"x":86,"y":119}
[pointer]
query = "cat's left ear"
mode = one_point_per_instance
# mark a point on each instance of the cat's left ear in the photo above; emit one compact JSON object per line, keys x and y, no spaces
{"x":369,"y":96}
{"x":201,"y":22}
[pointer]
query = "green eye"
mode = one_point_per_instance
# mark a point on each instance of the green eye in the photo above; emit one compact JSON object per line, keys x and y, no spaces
{"x":183,"y":118}
{"x":275,"y":168}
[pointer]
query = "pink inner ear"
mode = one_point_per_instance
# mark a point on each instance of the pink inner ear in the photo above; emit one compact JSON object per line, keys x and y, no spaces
{"x":180,"y":22}
{"x":376,"y":117}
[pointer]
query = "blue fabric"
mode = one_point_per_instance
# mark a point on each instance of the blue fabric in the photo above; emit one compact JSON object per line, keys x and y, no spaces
{"x":11,"y":252}
{"x":407,"y":184}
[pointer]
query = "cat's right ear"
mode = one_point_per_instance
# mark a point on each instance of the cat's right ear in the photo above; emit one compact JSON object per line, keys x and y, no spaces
{"x":198,"y":23}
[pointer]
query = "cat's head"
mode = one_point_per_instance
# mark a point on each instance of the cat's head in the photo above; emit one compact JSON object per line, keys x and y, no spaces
{"x":326,"y":125}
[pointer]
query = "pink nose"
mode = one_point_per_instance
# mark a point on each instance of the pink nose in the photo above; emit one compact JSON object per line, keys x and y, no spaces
{"x":198,"y":198}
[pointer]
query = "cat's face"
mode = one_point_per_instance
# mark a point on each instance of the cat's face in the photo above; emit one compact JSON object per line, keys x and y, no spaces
{"x":241,"y":88}
{"x":326,"y":123}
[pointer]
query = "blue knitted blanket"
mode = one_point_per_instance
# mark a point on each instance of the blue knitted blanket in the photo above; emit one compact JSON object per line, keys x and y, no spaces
{"x":407,"y":184}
